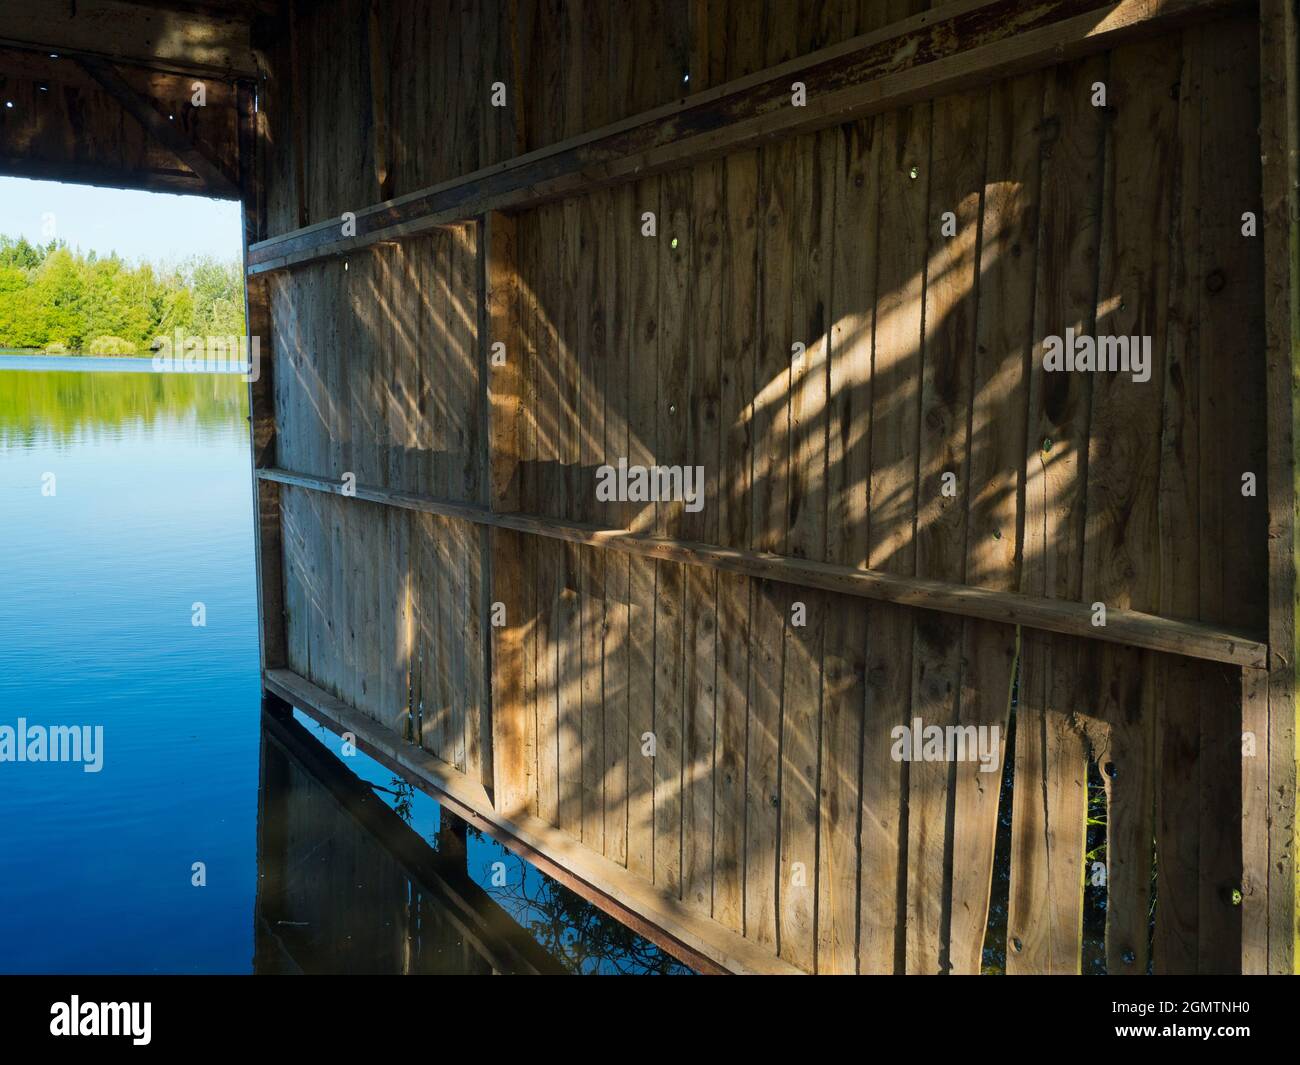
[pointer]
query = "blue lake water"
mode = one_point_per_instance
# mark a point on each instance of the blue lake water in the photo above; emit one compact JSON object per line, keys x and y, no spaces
{"x":126,"y":514}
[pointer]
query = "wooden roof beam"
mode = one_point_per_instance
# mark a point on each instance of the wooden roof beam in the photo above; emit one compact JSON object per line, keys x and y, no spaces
{"x":160,"y":127}
{"x":181,"y":40}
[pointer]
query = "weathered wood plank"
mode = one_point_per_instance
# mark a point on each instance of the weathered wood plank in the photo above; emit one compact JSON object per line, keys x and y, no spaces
{"x":675,"y":382}
{"x":1123,"y":467}
{"x":812,"y":278}
{"x":959,"y":141}
{"x":735,"y":473}
{"x":640,"y":289}
{"x":710,"y":267}
{"x":999,"y":396}
{"x":900,"y":282}
{"x":1045,"y":919}
{"x":848,"y":467}
{"x":1051,"y":759}
{"x":1280,"y":156}
{"x":505,"y":413}
{"x":263,"y":435}
{"x":616,"y":237}
{"x":769,"y":498}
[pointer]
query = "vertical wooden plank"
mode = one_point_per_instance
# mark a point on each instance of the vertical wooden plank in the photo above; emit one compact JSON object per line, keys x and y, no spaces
{"x":641,"y":290}
{"x":268,"y":542}
{"x":462,"y":358}
{"x":299,"y":107}
{"x":617,"y":235}
{"x":1255,"y":802}
{"x":1178,"y":784}
{"x":475,"y":80}
{"x":811,"y":268}
{"x":394,"y":444}
{"x":781,"y":30}
{"x":892,"y":488}
{"x":769,"y":499}
{"x":1224,"y":696}
{"x":378,"y":102}
{"x":1213,"y":404}
{"x":1045,"y":918}
{"x":999,"y":395}
{"x":958,"y":144}
{"x":563,"y":308}
{"x":447,"y":714}
{"x":1280,"y":155}
{"x":1123,"y":465}
{"x":700,"y":592}
{"x":700,"y":41}
{"x":848,"y":470}
{"x":676,"y":397}
{"x":341,"y":374}
{"x":499,"y":245}
{"x":1048,"y":838}
{"x":1069,"y":233}
{"x":591,"y":290}
{"x":1177,"y":725}
{"x":735,"y":473}
{"x":550,"y":555}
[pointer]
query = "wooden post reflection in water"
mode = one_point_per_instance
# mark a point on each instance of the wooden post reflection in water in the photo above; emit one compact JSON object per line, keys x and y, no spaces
{"x":346,"y":886}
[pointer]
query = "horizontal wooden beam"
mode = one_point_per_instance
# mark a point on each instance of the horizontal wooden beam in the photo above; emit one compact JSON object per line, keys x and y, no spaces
{"x":1187,"y":638}
{"x":181,"y":182}
{"x":937,"y":52}
{"x":698,"y":941}
{"x":177,"y":40}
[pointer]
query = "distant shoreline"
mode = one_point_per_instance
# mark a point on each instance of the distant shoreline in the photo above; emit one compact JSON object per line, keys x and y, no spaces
{"x":35,"y":353}
{"x":15,"y":359}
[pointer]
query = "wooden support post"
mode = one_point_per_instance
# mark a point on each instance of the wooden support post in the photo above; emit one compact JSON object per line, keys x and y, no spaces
{"x":1269,"y":849}
{"x":261,"y":394}
{"x":505,"y":561}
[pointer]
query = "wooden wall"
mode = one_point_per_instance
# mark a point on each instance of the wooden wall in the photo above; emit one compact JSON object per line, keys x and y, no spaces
{"x":379,"y":378}
{"x":772,"y":804}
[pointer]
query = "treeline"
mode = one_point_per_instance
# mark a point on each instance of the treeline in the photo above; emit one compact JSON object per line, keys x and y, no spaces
{"x":57,"y":300}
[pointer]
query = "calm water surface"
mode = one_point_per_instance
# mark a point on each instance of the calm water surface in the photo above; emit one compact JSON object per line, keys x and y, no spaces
{"x":125,"y":501}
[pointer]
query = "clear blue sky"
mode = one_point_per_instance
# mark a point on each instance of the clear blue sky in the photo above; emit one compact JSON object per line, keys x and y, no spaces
{"x":137,"y":225}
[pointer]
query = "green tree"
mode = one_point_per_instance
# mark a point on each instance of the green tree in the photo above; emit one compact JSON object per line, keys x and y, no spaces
{"x":50,"y":295}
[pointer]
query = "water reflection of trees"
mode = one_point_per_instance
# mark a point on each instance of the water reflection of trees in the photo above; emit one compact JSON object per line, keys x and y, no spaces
{"x":582,"y":937}
{"x":62,"y":404}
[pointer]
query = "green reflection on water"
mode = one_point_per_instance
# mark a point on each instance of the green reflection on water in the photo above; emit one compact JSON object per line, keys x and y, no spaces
{"x":59,"y":405}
